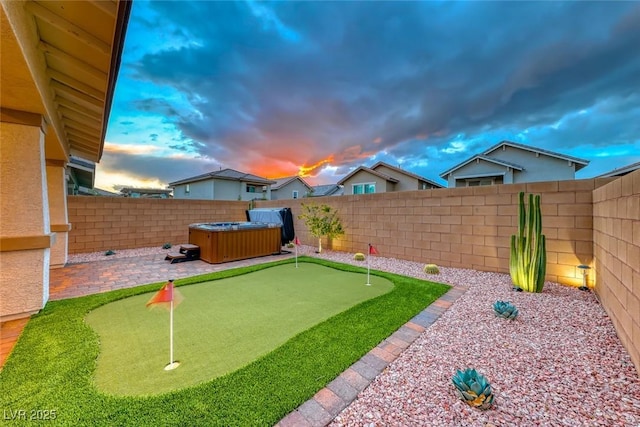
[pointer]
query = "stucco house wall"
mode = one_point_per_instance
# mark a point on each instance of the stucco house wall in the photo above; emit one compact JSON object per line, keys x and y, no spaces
{"x":25,"y":229}
{"x":404,"y":182}
{"x":364,"y":177}
{"x":516,"y":163}
{"x":259,"y":193}
{"x":480,"y":168}
{"x":286,"y":191}
{"x":219,"y":189}
{"x":201,"y":190}
{"x":537,"y":167}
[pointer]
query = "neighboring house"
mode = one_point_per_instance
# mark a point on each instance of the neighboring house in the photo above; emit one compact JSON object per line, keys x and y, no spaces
{"x":621,"y":171}
{"x":511,"y":163}
{"x":291,"y":187}
{"x":80,"y":176}
{"x":326,"y":190}
{"x":100,"y":192}
{"x":146,"y":193}
{"x":382,"y":178}
{"x":225,"y":184}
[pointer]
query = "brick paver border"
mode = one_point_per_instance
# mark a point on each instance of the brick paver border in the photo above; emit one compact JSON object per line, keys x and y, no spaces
{"x":326,"y":404}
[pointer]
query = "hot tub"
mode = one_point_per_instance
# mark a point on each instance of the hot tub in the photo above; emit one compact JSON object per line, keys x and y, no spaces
{"x":231,"y":241}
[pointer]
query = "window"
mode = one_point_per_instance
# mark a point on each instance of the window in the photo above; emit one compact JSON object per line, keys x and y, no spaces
{"x":251,"y":188}
{"x":479,"y":182}
{"x":368,"y":188}
{"x":187,"y":189}
{"x":294,"y":194}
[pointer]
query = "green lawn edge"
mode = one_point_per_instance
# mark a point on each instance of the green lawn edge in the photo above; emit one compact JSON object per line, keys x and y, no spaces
{"x":52,"y":364}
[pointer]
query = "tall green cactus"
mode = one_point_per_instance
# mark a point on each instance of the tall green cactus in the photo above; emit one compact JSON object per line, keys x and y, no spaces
{"x":528,"y":261}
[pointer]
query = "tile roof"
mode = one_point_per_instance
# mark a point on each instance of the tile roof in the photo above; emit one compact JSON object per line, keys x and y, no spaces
{"x":405,"y":172}
{"x":580,"y":163}
{"x":368,"y":170}
{"x":576,"y":160}
{"x":281,"y":182}
{"x":485,"y":158}
{"x":621,"y":170}
{"x":327,"y":190}
{"x":228,"y":174}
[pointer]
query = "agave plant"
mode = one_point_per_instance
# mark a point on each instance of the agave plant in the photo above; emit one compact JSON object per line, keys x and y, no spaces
{"x":166,"y":246}
{"x":505,"y":309}
{"x":473,"y":388}
{"x":431,"y":269}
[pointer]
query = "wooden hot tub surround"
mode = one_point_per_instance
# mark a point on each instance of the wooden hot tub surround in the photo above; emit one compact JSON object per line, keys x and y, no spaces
{"x":224,"y":242}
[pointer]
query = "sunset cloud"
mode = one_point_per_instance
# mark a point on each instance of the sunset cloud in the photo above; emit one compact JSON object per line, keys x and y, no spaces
{"x":319,"y":88}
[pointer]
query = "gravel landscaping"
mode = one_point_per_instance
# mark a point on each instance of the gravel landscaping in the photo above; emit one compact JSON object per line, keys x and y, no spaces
{"x":559,"y":363}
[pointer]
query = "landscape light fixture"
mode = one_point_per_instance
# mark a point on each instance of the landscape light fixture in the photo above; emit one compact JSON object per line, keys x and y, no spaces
{"x":584,"y":269}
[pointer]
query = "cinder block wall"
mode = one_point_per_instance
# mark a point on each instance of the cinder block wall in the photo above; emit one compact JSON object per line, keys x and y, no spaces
{"x":616,"y":230}
{"x":103,"y":223}
{"x":456,"y":227}
{"x":463,"y":227}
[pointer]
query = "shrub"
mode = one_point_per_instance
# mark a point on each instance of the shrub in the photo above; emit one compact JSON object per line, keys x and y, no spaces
{"x":359,"y":256}
{"x":321,"y":220}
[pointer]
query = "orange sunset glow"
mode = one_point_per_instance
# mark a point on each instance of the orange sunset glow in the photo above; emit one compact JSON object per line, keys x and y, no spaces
{"x":306,"y":171}
{"x":284,"y":168}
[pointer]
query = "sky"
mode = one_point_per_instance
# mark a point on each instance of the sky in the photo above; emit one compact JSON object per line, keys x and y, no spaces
{"x":317,"y":89}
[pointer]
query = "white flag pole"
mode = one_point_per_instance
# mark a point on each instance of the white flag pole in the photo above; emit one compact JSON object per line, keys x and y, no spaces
{"x":296,"y":255}
{"x":172,"y":364}
{"x":171,"y":334}
{"x":368,"y":265}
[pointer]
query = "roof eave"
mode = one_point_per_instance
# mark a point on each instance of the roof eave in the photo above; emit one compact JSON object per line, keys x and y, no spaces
{"x":560,"y":156}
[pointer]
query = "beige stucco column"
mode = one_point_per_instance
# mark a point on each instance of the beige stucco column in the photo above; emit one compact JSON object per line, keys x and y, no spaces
{"x":57,"y":192}
{"x":25,"y":234}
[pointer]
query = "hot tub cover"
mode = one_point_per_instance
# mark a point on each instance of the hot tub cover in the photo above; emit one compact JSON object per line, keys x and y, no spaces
{"x":280,"y":216}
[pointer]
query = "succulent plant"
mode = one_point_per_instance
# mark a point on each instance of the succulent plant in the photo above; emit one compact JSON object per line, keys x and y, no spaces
{"x":166,"y":246}
{"x":505,"y":309}
{"x":290,"y":245}
{"x":473,"y":388}
{"x":109,"y":252}
{"x":431,"y":269}
{"x":359,"y":256}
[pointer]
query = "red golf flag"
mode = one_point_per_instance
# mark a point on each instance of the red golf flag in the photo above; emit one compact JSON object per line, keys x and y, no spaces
{"x":297,"y":241}
{"x":165,"y":295}
{"x":372,"y":250}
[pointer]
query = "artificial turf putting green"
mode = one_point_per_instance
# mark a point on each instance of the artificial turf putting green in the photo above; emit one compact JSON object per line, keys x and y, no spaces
{"x":220,"y":325}
{"x":52,"y":366}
